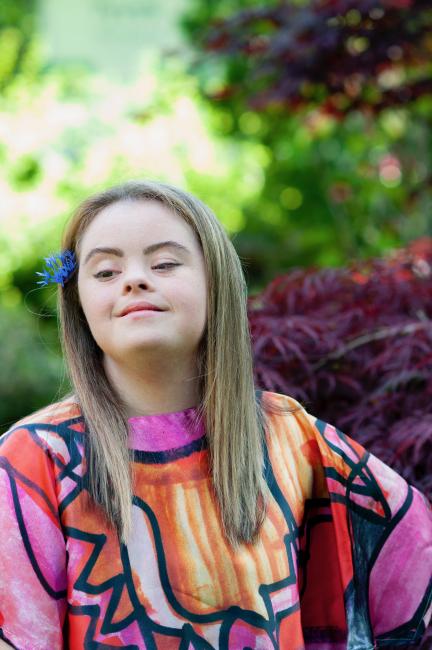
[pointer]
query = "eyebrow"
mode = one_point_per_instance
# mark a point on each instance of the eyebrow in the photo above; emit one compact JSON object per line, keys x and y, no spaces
{"x":108,"y":250}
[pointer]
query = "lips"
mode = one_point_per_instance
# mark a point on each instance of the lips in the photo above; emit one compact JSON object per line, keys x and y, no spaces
{"x":139,"y":306}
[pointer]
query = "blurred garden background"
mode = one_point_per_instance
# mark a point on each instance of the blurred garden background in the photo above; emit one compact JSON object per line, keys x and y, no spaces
{"x":305,"y":125}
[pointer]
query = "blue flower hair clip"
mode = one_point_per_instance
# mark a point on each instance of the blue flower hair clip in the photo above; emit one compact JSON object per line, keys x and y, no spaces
{"x":60,"y":268}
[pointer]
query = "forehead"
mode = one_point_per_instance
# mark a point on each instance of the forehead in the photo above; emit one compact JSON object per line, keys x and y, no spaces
{"x":138,"y":219}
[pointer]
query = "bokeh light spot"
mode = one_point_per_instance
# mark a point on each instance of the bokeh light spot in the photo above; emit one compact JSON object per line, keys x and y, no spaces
{"x":291,"y":198}
{"x":250,"y":123}
{"x":390,"y":172}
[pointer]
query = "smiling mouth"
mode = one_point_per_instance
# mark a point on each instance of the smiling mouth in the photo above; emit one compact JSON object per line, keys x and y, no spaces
{"x":143,"y":311}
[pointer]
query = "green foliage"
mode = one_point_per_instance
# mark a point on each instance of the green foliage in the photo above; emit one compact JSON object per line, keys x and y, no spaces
{"x":32,"y":373}
{"x":25,"y":173}
{"x":336,"y":55}
{"x":332,"y":190}
{"x":16,"y":34}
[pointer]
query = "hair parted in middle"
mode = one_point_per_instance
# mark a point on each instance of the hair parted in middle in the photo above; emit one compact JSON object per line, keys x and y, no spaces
{"x":234,"y":415}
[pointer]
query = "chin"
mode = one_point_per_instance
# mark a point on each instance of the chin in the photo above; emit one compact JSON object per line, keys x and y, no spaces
{"x":135,"y":345}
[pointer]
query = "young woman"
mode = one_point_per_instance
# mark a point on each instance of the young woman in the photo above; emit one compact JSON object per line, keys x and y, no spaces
{"x":168,"y":503}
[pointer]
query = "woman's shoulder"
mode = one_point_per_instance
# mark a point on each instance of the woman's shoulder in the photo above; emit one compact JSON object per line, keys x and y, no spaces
{"x":287,"y":423}
{"x":52,"y":414}
{"x":284,"y":410}
{"x":51,"y":428}
{"x":278,"y":401}
{"x":277,"y":405}
{"x":291,"y":425}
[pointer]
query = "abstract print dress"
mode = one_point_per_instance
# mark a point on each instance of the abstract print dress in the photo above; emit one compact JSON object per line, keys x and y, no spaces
{"x":343,"y":561}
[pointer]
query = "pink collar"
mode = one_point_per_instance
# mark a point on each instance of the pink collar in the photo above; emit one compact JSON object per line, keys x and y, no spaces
{"x":165,"y":431}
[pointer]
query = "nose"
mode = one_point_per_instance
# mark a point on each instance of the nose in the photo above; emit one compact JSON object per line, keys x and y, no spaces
{"x":135,"y":279}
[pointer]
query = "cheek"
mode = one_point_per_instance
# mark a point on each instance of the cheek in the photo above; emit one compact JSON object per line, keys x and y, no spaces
{"x":94,"y":304}
{"x":192,"y":299}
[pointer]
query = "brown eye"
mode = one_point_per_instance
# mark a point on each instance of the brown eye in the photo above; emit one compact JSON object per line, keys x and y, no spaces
{"x":98,"y":275}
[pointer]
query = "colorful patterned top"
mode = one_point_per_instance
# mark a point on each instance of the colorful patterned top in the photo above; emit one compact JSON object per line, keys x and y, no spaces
{"x":344,"y":558}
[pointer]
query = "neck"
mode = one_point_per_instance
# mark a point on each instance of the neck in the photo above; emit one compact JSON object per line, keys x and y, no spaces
{"x":148,"y":390}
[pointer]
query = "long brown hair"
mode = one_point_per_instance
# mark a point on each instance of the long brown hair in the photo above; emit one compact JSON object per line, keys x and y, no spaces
{"x":233,"y":413}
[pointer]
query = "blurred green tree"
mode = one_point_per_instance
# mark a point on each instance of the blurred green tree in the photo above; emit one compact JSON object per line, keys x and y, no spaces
{"x":339,"y":96}
{"x":17,"y":25}
{"x":32,"y":369}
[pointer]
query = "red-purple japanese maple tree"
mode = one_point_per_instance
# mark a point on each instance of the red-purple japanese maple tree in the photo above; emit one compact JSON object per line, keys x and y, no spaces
{"x":354,"y":345}
{"x":335,"y":55}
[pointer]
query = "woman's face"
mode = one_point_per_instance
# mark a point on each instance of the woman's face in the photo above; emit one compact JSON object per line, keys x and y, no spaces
{"x":137,"y":269}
